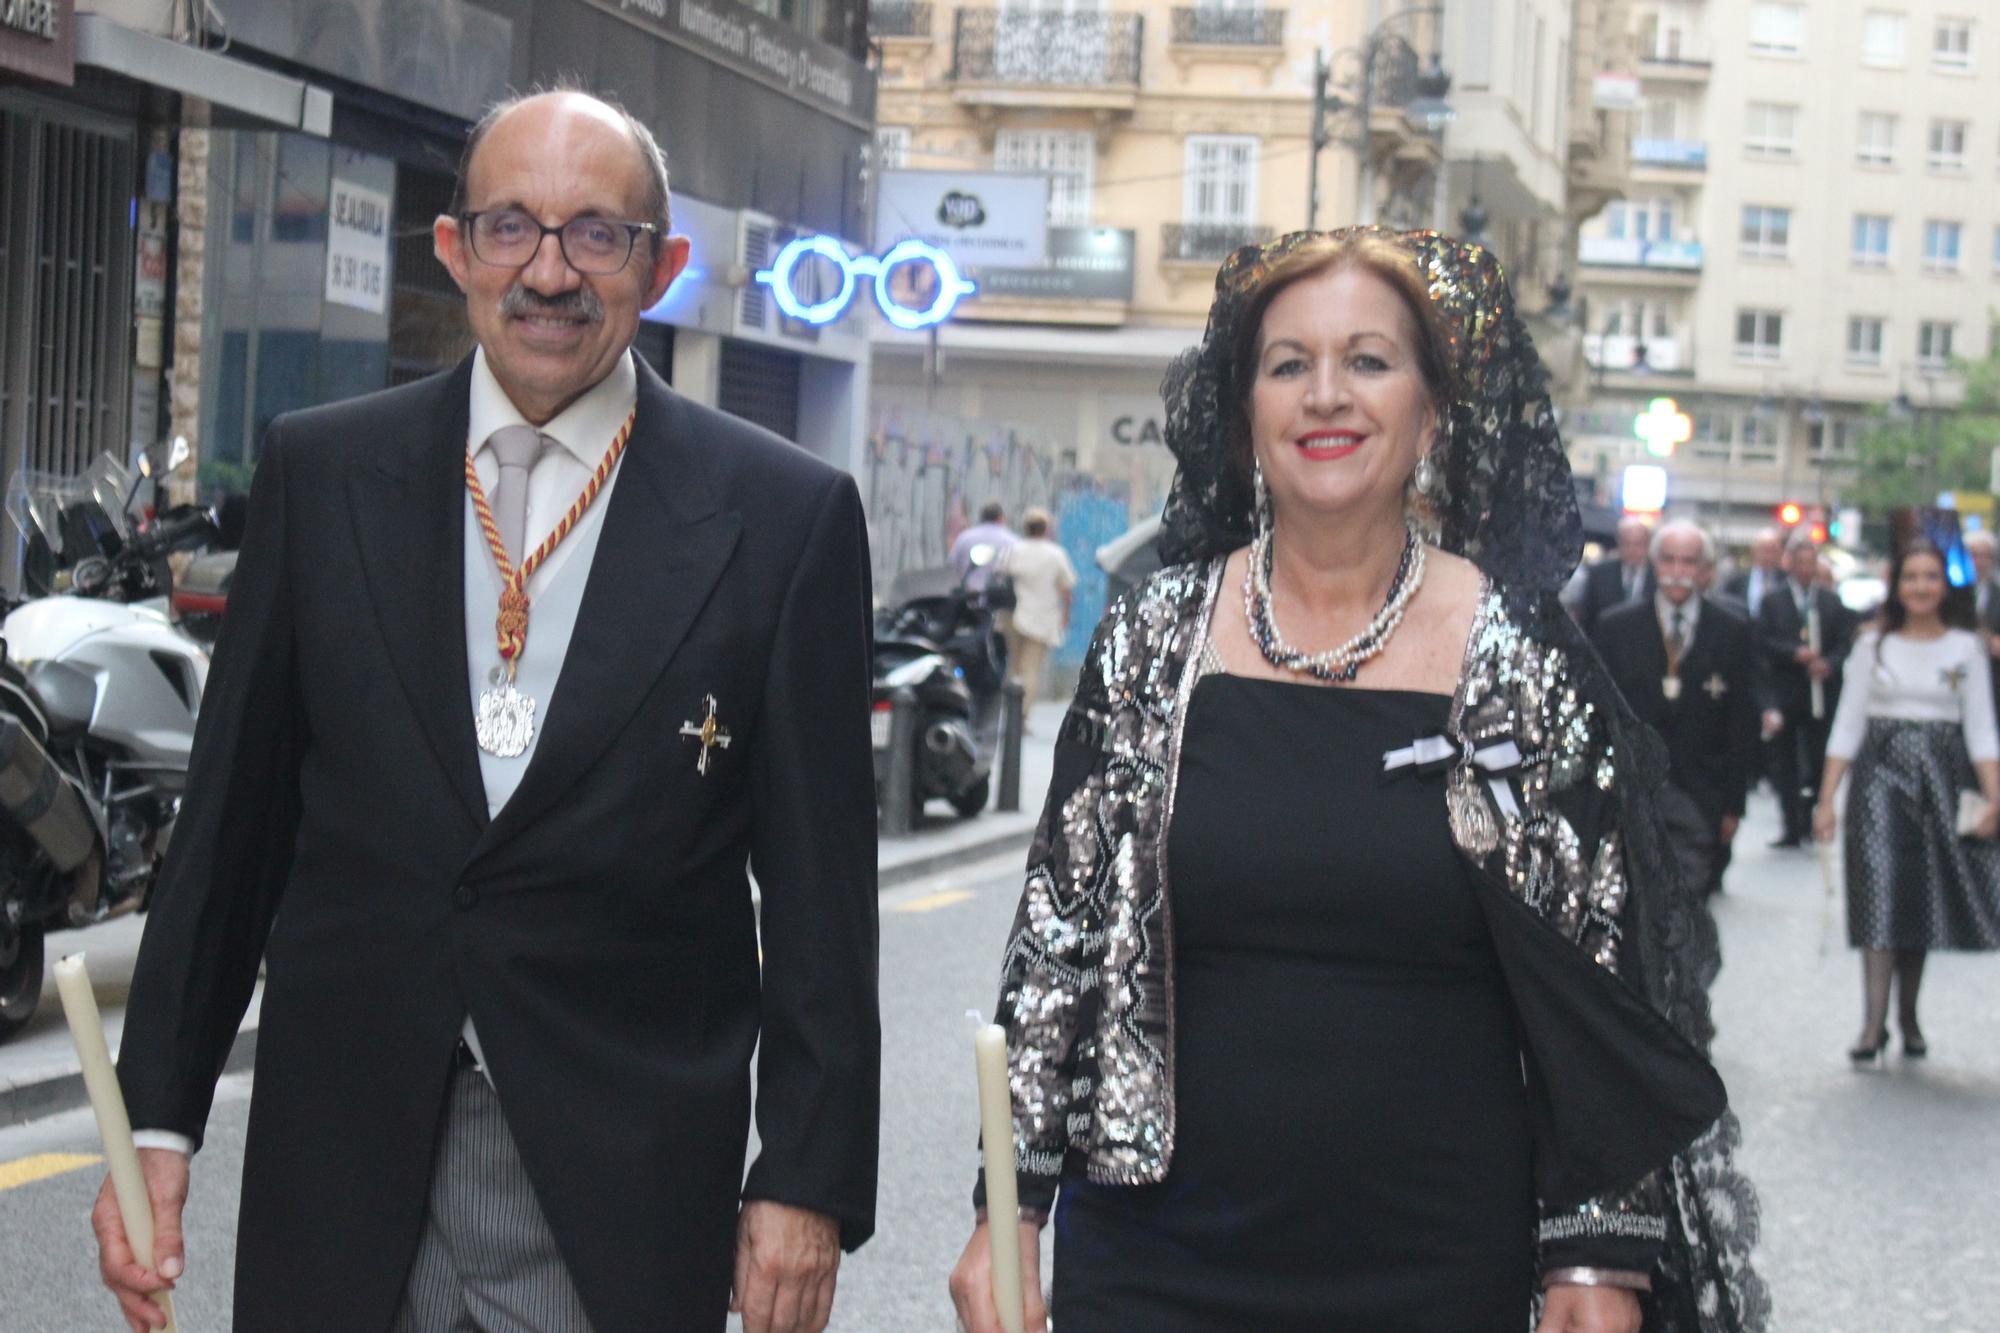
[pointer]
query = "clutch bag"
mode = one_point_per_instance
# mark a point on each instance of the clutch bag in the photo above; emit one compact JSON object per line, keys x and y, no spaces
{"x":1971,"y":809}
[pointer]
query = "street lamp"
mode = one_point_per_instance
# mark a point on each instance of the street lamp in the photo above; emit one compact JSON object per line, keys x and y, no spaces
{"x":1427,"y":108}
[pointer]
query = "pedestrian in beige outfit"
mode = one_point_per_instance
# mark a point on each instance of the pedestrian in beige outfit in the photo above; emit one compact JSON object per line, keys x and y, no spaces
{"x":1044,"y":587}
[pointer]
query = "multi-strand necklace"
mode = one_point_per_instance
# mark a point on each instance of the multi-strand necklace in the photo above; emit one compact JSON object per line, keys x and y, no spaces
{"x":1337,"y":665}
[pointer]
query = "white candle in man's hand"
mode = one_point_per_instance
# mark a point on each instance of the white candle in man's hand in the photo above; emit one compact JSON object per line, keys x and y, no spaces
{"x":114,"y":1126}
{"x":1003,"y":1202}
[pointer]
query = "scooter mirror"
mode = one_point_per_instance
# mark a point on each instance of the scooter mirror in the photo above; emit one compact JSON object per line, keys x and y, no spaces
{"x":146,"y":463}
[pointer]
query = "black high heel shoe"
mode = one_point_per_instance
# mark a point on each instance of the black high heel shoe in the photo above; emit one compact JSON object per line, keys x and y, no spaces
{"x":1870,"y":1057}
{"x":1915,"y":1047}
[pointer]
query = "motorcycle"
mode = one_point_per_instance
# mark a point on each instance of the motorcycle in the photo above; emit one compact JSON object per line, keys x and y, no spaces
{"x":98,"y":698}
{"x":939,"y":640}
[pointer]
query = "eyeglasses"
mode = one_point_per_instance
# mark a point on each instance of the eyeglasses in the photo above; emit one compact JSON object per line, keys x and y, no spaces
{"x":509,"y":238}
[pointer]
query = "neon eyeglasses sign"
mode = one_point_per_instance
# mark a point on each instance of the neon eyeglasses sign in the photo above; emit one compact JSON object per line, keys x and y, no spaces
{"x":951,"y":287}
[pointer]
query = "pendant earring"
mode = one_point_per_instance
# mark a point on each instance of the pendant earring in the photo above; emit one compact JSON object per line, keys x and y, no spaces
{"x":1426,"y":478}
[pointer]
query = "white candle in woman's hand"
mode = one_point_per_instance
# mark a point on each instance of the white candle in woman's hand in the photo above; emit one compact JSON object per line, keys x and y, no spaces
{"x":1003,"y":1204}
{"x":114,"y":1126}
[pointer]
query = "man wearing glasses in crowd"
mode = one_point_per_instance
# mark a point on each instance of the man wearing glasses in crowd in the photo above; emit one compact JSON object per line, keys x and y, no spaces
{"x":526,"y":666}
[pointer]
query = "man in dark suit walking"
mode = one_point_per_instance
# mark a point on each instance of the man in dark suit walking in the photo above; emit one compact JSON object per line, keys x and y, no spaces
{"x":488,"y":817}
{"x":1765,"y":572}
{"x":1792,"y":666}
{"x":1623,"y":579}
{"x":1684,"y":662}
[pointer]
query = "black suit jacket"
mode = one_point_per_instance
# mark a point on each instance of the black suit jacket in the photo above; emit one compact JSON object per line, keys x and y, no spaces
{"x":1781,"y":631}
{"x":600,"y":930}
{"x":1711,"y":729}
{"x":1604,"y":588}
{"x":1737,"y":585}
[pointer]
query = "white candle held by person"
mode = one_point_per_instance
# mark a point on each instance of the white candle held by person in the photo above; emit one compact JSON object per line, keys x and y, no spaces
{"x":996,"y":1130}
{"x":100,"y":1080}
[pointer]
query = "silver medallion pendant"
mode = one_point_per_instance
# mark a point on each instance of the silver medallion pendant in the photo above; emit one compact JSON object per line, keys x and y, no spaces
{"x":1670,"y":686}
{"x":505,"y":722}
{"x":1473,"y":826}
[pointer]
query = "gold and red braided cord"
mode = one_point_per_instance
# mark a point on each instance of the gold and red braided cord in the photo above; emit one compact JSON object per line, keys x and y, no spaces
{"x":510,"y":626}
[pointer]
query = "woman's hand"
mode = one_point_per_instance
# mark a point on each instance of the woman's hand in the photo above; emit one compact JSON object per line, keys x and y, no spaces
{"x":1989,"y":823}
{"x":1823,"y":821}
{"x":972,"y":1283}
{"x":1573,"y":1309}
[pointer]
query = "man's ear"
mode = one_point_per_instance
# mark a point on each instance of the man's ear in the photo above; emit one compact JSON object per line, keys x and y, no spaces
{"x":667,"y":265}
{"x":448,"y":243}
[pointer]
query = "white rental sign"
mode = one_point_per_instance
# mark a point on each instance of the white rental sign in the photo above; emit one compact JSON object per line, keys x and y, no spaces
{"x":982,"y":219}
{"x":357,"y":247}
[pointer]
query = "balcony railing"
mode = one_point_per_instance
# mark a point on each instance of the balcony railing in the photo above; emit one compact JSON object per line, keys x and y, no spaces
{"x":911,"y":18}
{"x":1205,"y":242}
{"x":1045,"y":47}
{"x":1208,"y":25}
{"x":1622,"y":252}
{"x":1620,"y":353}
{"x":1686,"y":154}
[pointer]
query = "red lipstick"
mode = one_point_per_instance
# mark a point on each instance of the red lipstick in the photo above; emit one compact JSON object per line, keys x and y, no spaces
{"x":1325,"y":446}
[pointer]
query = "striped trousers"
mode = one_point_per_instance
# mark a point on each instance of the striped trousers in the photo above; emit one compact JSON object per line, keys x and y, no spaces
{"x":487,"y":1262}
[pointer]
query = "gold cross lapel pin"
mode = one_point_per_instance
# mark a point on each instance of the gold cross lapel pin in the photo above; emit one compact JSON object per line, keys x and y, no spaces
{"x":1715,"y":687}
{"x":711,"y":733}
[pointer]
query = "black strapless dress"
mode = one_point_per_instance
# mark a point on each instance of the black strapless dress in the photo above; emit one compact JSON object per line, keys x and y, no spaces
{"x":1353,"y":1141}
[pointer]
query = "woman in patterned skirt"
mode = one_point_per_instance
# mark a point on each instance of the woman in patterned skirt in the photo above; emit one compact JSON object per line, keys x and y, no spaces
{"x":1915,"y":729}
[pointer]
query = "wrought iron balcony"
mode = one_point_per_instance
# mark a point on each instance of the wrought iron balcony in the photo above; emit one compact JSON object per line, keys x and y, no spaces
{"x":900,"y":18}
{"x":1207,"y":242}
{"x":1208,"y":25}
{"x":1089,"y":48}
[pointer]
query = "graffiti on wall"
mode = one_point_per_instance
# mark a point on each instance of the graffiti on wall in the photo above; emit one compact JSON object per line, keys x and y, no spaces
{"x":927,"y":474}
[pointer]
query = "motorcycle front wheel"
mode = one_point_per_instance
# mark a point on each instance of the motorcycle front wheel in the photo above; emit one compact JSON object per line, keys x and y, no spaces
{"x":20,"y":980}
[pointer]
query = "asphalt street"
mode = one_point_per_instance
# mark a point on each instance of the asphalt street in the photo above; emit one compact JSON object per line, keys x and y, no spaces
{"x":1880,"y":1211}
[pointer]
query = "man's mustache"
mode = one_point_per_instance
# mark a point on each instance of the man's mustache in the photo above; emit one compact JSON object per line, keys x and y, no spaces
{"x":1688,"y":583}
{"x":521,"y":302}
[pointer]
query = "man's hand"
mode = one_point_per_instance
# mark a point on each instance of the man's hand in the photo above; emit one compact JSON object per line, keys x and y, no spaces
{"x":786,"y":1262}
{"x":972,"y":1283}
{"x":1993,"y":644}
{"x":1804,"y":656}
{"x":1571,"y":1309}
{"x":132,"y":1282}
{"x":1819,"y":668}
{"x":1773,"y":723}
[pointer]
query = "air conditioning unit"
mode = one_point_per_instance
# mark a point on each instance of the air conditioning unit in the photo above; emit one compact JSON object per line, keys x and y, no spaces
{"x":756,"y":247}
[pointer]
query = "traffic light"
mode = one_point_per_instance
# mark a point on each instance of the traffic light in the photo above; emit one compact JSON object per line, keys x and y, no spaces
{"x":1790,"y":513}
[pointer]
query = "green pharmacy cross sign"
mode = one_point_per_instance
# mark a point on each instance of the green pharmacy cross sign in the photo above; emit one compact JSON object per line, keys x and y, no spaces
{"x":1662,"y":426}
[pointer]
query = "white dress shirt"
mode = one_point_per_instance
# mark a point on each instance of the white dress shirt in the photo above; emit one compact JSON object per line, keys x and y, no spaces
{"x":583,"y":431}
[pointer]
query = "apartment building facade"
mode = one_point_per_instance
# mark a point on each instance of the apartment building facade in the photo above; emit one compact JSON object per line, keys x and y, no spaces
{"x":1811,"y":231}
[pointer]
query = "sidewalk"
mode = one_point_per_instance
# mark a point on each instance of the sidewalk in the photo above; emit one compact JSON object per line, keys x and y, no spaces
{"x":38,"y":1068}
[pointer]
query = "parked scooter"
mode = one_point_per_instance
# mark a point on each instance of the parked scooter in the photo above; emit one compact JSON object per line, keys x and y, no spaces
{"x":938,"y":639}
{"x":98,"y":698}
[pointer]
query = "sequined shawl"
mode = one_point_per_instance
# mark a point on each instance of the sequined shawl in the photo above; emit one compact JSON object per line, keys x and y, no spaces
{"x":1633,"y":1141}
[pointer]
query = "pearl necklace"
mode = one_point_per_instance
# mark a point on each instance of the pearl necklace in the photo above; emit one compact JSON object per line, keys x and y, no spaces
{"x":1337,"y":665}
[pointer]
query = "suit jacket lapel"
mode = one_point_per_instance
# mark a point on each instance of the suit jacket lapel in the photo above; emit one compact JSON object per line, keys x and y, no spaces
{"x":408,"y":513}
{"x":663,"y":547}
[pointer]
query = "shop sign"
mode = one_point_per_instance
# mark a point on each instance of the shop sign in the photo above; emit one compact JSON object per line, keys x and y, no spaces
{"x":1133,"y":420}
{"x":38,"y":38}
{"x":149,"y":280}
{"x":1084,"y":264}
{"x":357,"y":247}
{"x":982,"y":219}
{"x":767,"y":51}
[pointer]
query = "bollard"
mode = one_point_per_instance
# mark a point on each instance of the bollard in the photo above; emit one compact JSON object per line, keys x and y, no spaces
{"x":1012,"y":716}
{"x":899,"y":797}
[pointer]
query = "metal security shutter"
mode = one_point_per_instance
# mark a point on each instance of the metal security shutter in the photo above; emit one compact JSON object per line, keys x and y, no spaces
{"x":65,"y":293}
{"x":761,"y":385}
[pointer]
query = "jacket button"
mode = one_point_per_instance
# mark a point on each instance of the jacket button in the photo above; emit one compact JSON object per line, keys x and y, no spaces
{"x":465,"y":896}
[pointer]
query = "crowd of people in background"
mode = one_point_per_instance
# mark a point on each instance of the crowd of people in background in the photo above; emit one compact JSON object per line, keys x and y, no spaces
{"x":1770,"y":674}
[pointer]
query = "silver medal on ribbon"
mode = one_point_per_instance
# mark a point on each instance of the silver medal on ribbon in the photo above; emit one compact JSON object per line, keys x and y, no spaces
{"x":505,"y":722}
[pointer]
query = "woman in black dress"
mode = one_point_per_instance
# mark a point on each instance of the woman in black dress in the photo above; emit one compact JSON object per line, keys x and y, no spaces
{"x":1338,"y":998}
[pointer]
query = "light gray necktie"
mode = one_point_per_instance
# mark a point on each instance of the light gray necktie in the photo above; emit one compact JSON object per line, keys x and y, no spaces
{"x":516,"y":448}
{"x":1677,"y":635}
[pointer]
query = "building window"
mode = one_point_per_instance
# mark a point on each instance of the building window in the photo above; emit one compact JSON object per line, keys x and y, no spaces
{"x":1767,"y":232}
{"x":1864,"y":341}
{"x":1714,"y":436}
{"x":1640,"y":220}
{"x":1941,"y":246}
{"x":1951,"y":46}
{"x":1947,"y":145}
{"x":1770,"y":130}
{"x":1069,"y":157}
{"x":892,"y":147}
{"x":1777,"y":30}
{"x":1934,"y":344}
{"x":1871,"y":240}
{"x":1760,"y":335}
{"x":1876,"y":146}
{"x":1220,"y":187}
{"x":1758,"y":442}
{"x":1660,"y":118}
{"x":1881,"y":38}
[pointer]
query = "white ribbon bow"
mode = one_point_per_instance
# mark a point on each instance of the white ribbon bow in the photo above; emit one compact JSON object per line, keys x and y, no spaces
{"x":1496,"y":760}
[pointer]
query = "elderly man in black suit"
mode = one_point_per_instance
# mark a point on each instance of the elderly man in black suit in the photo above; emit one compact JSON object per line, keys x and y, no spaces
{"x":1618,"y":580}
{"x":1685,"y":662}
{"x":488,"y":819}
{"x":1765,"y":572}
{"x":1797,"y":716}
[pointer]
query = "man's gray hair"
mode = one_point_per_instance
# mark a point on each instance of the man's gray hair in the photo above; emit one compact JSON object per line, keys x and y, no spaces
{"x":1683,"y":526}
{"x":658,"y":203}
{"x":1800,"y":538}
{"x":1983,"y":539}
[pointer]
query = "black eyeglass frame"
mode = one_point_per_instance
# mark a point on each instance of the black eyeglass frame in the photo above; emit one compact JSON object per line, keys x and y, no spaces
{"x":633,"y":230}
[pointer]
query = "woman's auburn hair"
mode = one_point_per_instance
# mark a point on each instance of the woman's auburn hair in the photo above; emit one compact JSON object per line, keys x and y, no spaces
{"x":1375,"y":254}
